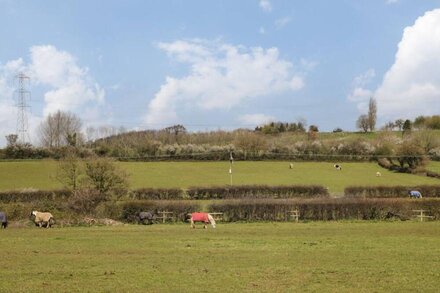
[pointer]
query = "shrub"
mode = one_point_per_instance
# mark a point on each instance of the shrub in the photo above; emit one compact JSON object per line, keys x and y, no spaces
{"x":85,"y":201}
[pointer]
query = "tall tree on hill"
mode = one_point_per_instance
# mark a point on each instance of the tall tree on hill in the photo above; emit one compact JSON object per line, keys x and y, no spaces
{"x":372,"y":114}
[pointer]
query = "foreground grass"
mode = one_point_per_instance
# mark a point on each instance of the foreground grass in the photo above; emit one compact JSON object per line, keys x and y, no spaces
{"x":41,"y":174}
{"x":265,"y":257}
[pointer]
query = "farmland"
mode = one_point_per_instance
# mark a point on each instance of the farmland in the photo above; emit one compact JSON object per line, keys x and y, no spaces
{"x":314,"y":256}
{"x":42,"y":174}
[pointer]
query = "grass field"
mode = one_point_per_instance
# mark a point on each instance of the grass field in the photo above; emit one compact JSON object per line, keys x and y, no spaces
{"x":41,"y":174}
{"x":434,"y":166}
{"x":264,"y":257}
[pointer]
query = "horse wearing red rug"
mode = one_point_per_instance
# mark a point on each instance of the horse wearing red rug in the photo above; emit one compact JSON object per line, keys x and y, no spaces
{"x":204,"y":218}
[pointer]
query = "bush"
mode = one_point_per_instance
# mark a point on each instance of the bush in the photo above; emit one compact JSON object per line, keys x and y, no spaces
{"x":390,"y":191}
{"x":85,"y":201}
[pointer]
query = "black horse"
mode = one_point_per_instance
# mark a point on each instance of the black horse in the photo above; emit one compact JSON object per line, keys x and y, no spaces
{"x":146,"y":218}
{"x":3,"y":220}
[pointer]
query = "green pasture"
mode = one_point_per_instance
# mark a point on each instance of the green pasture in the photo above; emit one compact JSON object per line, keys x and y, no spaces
{"x":257,"y":257}
{"x":41,"y":174}
{"x":434,"y":166}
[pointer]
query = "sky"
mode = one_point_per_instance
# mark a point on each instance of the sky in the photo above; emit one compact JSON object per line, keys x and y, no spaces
{"x":220,"y":64}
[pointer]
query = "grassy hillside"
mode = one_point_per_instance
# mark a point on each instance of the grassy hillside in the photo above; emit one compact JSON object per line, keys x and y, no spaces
{"x":263,"y":257}
{"x":41,"y":174}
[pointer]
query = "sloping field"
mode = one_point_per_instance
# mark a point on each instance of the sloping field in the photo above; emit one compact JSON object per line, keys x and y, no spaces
{"x":41,"y":174}
{"x":263,"y":257}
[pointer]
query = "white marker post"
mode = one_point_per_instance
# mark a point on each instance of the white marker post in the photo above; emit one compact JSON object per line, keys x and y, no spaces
{"x":231,"y":161}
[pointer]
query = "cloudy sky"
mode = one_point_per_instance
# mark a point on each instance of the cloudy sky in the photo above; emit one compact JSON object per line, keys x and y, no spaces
{"x":220,"y":64}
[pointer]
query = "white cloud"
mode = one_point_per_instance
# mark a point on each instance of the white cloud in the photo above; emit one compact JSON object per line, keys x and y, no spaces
{"x":359,"y":93}
{"x":411,"y":87}
{"x":221,"y":76}
{"x":282,"y":22}
{"x":71,"y":85}
{"x":255,"y":119}
{"x":265,"y":5}
{"x":67,"y":87}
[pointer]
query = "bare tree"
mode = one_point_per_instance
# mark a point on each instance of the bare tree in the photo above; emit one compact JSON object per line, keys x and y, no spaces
{"x":59,"y":128}
{"x":70,"y":169}
{"x":362,"y":123}
{"x":11,"y":140}
{"x":372,"y":114}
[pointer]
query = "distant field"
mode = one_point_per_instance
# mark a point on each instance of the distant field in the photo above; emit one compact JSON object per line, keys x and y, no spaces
{"x":41,"y":174}
{"x":263,"y":257}
{"x":434,"y":166}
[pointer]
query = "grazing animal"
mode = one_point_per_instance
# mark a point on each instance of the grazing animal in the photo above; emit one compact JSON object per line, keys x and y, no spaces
{"x":146,"y":218}
{"x":43,"y":219}
{"x":337,"y":167}
{"x":290,"y":166}
{"x":415,"y":194}
{"x":378,"y":174}
{"x":3,"y":220}
{"x":205,"y":218}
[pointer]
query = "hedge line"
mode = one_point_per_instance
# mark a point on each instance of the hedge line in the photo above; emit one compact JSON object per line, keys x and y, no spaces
{"x":318,"y":209}
{"x":230,"y":192}
{"x":34,"y":195}
{"x":390,"y":191}
{"x":324,"y":209}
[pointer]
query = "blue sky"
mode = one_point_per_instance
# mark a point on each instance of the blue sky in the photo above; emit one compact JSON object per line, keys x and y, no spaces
{"x":220,"y":64}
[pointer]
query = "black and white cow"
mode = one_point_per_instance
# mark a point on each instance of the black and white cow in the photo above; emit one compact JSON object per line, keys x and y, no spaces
{"x":337,"y":167}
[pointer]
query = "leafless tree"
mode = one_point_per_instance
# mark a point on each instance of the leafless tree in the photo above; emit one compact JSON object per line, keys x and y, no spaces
{"x":55,"y":130}
{"x":362,"y":123}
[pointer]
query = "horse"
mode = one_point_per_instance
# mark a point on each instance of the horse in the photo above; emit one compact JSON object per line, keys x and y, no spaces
{"x":415,"y":194}
{"x":205,"y":218}
{"x":3,"y":220}
{"x":42,"y":219}
{"x":146,"y":218}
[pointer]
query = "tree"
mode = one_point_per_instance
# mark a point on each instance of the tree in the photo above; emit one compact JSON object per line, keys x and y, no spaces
{"x":69,"y":171}
{"x":362,"y":123}
{"x":406,"y":128}
{"x":411,"y":155}
{"x":55,"y":130}
{"x":11,"y":140}
{"x":399,"y":123}
{"x":372,"y":114}
{"x":103,"y":175}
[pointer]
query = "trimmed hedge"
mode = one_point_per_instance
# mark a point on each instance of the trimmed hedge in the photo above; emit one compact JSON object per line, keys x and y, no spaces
{"x":157,"y":193}
{"x":390,"y":191}
{"x":324,"y":209}
{"x":179,"y":208}
{"x":231,"y":192}
{"x":32,"y":196}
{"x":257,"y":191}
